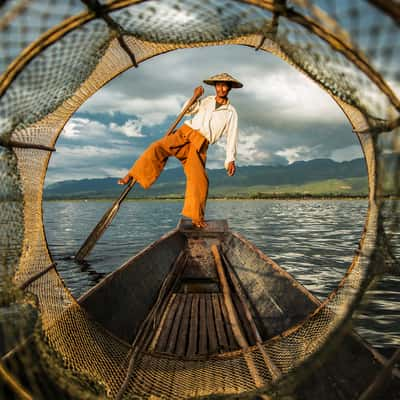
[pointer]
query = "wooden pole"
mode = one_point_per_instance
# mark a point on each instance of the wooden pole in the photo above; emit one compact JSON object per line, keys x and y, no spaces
{"x":107,"y":218}
{"x":234,"y":320}
{"x":273,"y":369}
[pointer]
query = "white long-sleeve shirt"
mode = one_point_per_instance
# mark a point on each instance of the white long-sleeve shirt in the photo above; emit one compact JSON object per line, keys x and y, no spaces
{"x":214,"y":123}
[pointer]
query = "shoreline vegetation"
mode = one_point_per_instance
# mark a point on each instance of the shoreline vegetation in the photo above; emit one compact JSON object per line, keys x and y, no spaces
{"x":262,"y":196}
{"x":225,"y":198}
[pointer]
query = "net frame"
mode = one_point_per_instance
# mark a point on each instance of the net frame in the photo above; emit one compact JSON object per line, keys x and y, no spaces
{"x":122,"y":52}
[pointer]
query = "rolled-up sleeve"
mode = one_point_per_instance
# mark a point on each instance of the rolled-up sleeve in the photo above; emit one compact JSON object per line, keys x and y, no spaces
{"x":232,"y":135}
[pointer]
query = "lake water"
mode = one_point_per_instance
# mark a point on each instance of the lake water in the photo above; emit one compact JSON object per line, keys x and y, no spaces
{"x":313,"y":240}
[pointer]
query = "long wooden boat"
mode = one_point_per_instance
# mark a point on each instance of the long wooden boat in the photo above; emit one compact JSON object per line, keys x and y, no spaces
{"x":196,"y":301}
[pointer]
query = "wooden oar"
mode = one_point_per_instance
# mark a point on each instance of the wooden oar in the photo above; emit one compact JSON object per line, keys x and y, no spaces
{"x":107,"y":218}
{"x":102,"y":225}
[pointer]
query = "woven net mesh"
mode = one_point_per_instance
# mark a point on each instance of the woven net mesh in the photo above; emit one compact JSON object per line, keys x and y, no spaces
{"x":55,"y":55}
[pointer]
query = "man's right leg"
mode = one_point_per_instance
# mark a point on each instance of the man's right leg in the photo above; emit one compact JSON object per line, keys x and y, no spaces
{"x":196,"y":186}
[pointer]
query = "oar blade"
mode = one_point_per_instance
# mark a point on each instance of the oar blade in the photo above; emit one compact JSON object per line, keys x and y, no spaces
{"x":101,"y":226}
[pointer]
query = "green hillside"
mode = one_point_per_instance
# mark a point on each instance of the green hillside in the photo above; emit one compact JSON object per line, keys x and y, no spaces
{"x":315,"y":178}
{"x":324,"y":188}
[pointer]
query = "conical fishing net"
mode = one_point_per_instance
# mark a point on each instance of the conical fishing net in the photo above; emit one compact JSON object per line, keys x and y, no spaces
{"x":54,"y":56}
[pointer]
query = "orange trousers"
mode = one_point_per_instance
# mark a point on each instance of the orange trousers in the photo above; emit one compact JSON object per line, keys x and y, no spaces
{"x":190,"y":148}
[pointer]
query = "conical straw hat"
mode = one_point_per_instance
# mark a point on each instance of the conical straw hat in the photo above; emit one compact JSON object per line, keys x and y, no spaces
{"x":223,"y":77}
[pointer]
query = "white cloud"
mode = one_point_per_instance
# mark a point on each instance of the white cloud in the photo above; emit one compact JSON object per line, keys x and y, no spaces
{"x":131,"y":128}
{"x":83,"y":128}
{"x":292,"y":96}
{"x":71,"y":129}
{"x":113,"y":172}
{"x":249,"y":149}
{"x":120,"y":142}
{"x":72,"y":156}
{"x":149,"y":111}
{"x":298,"y":153}
{"x":90,"y":130}
{"x":255,"y":147}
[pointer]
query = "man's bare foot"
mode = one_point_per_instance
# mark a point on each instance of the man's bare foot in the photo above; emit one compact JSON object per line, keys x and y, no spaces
{"x":199,"y":224}
{"x":125,"y":180}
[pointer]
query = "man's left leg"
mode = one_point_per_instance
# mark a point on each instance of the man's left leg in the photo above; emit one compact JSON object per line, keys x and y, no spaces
{"x":196,"y":185}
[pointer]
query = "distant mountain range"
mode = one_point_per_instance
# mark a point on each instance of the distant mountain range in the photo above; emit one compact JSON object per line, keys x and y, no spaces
{"x":319,"y":177}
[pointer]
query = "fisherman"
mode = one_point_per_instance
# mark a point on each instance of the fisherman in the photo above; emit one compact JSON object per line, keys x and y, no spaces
{"x":213,"y":117}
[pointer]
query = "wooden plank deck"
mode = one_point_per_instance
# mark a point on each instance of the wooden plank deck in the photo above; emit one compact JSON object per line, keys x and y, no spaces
{"x":196,"y":324}
{"x":174,"y":329}
{"x":167,"y":325}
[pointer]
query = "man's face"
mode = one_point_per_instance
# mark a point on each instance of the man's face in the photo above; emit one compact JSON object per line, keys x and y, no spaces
{"x":222,"y":89}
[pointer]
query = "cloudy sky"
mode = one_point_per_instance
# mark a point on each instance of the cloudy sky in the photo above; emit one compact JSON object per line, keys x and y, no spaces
{"x":283,"y":115}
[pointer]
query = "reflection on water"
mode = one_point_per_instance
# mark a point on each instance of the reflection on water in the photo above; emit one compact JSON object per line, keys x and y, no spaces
{"x":313,"y":240}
